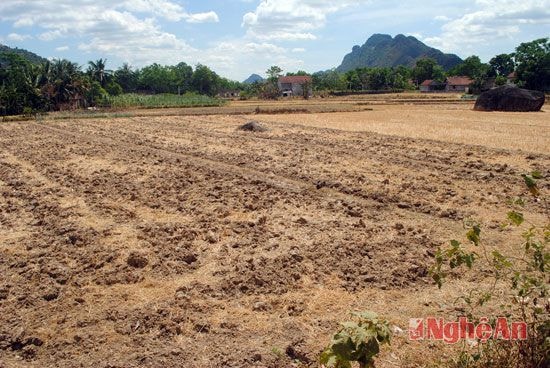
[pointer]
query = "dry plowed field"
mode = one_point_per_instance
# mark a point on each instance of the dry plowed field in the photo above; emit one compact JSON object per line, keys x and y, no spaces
{"x":181,"y":241}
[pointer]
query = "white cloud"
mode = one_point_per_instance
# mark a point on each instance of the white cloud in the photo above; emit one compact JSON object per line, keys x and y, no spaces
{"x":135,"y":41}
{"x":491,"y":20}
{"x":128,"y":30}
{"x":291,"y":20}
{"x":62,"y":48}
{"x":232,"y":57}
{"x":168,"y":10}
{"x":50,"y":35}
{"x":162,"y":8}
{"x":18,"y":37}
{"x":209,"y":17}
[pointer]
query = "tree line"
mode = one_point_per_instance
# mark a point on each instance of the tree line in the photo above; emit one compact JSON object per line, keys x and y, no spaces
{"x":530,"y":63}
{"x":27,"y":87}
{"x":61,"y":84}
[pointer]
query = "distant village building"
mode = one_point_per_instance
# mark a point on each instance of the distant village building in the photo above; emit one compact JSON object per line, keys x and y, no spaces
{"x":458,"y":84}
{"x":430,"y":85}
{"x":294,"y":85}
{"x":451,"y":84}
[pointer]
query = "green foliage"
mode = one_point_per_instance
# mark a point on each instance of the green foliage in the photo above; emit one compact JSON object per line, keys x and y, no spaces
{"x":162,"y":100}
{"x":252,"y":90}
{"x":357,"y":341}
{"x":502,"y":65}
{"x":64,"y":85}
{"x":227,"y":84}
{"x":61,"y":84}
{"x":273,"y":73}
{"x":18,"y":87}
{"x":427,"y":69}
{"x":96,"y":95}
{"x":205,"y":81}
{"x":531,"y":183}
{"x":533,"y":64}
{"x":156,"y":78}
{"x":471,"y":67}
{"x":97,"y":72}
{"x":269,"y":89}
{"x":378,"y":79}
{"x":300,"y":73}
{"x":329,"y":81}
{"x":126,"y":78}
{"x":28,"y":56}
{"x":113,"y":88}
{"x":516,"y":218}
{"x":183,"y":76}
{"x":500,"y":80}
{"x":528,"y":288}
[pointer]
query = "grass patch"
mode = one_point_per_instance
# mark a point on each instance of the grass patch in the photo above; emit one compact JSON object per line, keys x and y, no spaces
{"x":162,"y":101}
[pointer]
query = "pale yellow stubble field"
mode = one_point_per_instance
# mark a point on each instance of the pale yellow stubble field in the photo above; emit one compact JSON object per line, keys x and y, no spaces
{"x":457,"y":123}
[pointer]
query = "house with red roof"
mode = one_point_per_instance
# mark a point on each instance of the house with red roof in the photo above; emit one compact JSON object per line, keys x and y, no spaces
{"x":430,"y":85}
{"x":451,"y":84}
{"x":294,"y":85}
{"x":458,"y":84}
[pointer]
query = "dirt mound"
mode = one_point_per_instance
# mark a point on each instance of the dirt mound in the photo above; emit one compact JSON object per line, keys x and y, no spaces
{"x":253,"y":126}
{"x":510,"y":98}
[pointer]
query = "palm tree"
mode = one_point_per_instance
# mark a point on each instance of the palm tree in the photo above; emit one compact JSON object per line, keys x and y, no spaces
{"x":61,"y":81}
{"x":97,"y":71}
{"x":126,"y":78}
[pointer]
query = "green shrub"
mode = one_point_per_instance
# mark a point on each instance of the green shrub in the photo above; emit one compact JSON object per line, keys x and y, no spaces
{"x":114,"y":89}
{"x":357,"y":341}
{"x":96,"y":95}
{"x":500,"y":80}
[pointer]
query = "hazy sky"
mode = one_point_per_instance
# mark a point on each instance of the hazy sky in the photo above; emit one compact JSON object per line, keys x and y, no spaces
{"x":240,"y":37}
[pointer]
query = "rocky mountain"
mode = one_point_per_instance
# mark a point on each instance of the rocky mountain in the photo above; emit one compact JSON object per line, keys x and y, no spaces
{"x":253,"y":78}
{"x":382,"y":50}
{"x":30,"y":56}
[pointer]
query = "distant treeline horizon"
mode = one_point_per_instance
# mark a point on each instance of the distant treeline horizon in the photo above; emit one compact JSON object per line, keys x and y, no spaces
{"x":31,"y":83}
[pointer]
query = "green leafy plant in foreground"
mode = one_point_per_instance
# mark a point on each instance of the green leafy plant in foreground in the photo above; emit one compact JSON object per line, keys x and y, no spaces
{"x":525,"y":280}
{"x":357,"y":341}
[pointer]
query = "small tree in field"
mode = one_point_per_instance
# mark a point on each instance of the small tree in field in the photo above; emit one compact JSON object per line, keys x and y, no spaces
{"x":270,"y":89}
{"x":273,"y":73}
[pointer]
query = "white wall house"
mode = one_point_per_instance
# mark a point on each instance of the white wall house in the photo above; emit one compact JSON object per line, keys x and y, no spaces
{"x":294,"y":85}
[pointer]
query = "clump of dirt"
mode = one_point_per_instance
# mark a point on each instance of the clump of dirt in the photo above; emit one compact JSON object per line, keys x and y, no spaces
{"x":137,"y":260}
{"x":253,"y":126}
